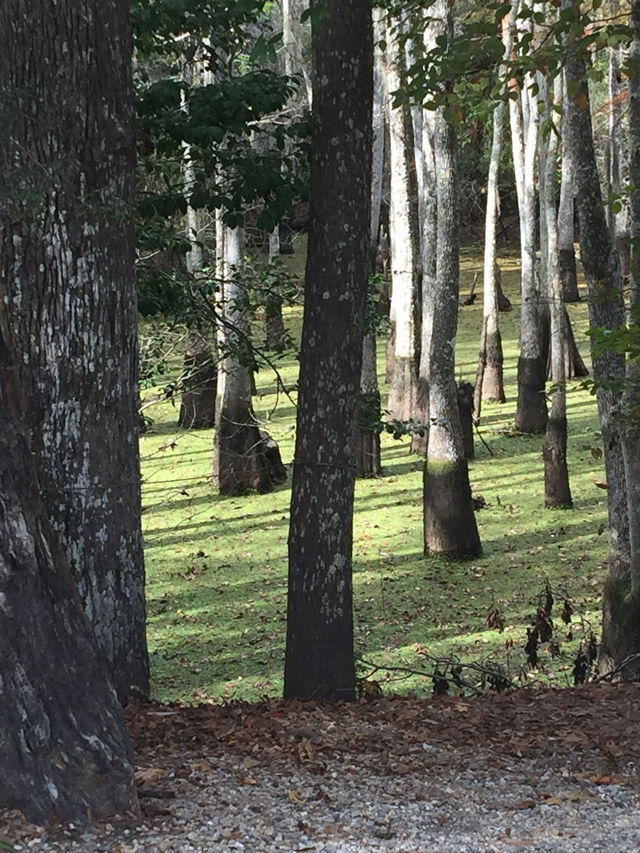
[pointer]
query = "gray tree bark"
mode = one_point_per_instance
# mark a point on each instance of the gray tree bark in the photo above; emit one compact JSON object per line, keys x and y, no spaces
{"x":531,"y":412}
{"x":67,"y":264}
{"x":319,"y":655}
{"x":368,"y":453}
{"x":621,"y":608}
{"x":403,"y":232}
{"x":617,"y":211}
{"x":239,"y":464}
{"x":489,"y":378}
{"x":64,"y":750}
{"x":428,"y":257}
{"x":566,"y":250}
{"x":449,"y":521}
{"x":556,"y":472}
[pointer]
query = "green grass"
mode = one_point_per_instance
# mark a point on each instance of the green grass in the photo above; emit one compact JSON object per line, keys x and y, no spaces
{"x":217,"y":567}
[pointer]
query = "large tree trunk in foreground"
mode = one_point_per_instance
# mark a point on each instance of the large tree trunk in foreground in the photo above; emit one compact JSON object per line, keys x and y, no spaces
{"x":67,"y":260}
{"x":621,"y":604}
{"x":622,"y":601}
{"x":319,"y":657}
{"x":64,"y":750}
{"x":239,"y":465}
{"x":449,"y":521}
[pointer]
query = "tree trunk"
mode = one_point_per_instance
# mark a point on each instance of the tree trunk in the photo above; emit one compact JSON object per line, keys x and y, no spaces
{"x":368,"y":458}
{"x":566,"y":251}
{"x":622,"y":596}
{"x":275,"y":331}
{"x":621,"y":608}
{"x":428,"y":260}
{"x":556,"y":472}
{"x":319,"y":660}
{"x":67,"y":255}
{"x":370,"y":409}
{"x":531,"y":413}
{"x":403,"y":225}
{"x":489,"y":379}
{"x":198,"y":405}
{"x":449,"y":520}
{"x":617,"y":208}
{"x":64,"y":751}
{"x":239,"y":465}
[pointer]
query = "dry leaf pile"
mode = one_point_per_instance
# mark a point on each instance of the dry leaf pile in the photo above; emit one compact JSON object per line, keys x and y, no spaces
{"x":548,"y":770}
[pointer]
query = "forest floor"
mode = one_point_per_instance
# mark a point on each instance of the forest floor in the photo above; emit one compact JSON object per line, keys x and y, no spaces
{"x":221,"y":768}
{"x":555,"y":770}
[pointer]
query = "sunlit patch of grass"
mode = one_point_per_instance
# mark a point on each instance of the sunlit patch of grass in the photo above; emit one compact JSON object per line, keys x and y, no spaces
{"x":217,"y":567}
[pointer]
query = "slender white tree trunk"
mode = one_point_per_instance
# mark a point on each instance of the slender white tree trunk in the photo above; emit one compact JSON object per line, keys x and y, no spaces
{"x":449,"y":521}
{"x":556,"y":472}
{"x":531,"y":414}
{"x":404,"y":242}
{"x":566,"y":251}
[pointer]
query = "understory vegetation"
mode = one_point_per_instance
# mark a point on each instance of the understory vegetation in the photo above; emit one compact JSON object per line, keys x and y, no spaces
{"x":217,"y":566}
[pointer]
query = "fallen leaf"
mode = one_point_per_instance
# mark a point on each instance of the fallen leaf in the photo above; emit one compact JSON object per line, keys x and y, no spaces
{"x":150,"y":774}
{"x":295,"y":798}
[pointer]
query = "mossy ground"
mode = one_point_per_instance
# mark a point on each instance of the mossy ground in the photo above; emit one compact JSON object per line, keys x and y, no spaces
{"x":217,"y":567}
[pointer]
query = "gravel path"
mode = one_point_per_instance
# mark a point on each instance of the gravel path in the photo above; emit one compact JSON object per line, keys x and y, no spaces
{"x":552,"y":770}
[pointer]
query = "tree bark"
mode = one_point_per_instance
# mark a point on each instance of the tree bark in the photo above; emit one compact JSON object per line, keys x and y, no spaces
{"x":531,"y":412}
{"x":566,"y":250}
{"x":370,"y":408}
{"x":617,"y":208}
{"x":239,"y":465}
{"x":428,"y":260}
{"x":556,"y":472}
{"x":489,"y":378}
{"x":319,"y":655}
{"x":67,"y":255}
{"x":403,"y":230}
{"x":64,"y":751}
{"x":621,"y":607}
{"x":198,"y":405}
{"x":449,"y":520}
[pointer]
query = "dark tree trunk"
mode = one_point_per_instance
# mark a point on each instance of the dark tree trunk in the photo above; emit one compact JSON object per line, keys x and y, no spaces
{"x":198,"y":406}
{"x":319,"y":656}
{"x":368,"y":462}
{"x":275,"y":329}
{"x":556,"y":477}
{"x":64,"y":752}
{"x":606,"y":311}
{"x":465,"y":409}
{"x":449,"y":521}
{"x":67,"y":255}
{"x":622,"y":593}
{"x":369,"y":415}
